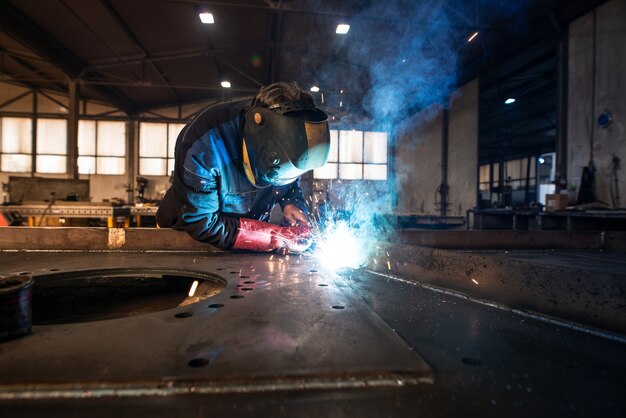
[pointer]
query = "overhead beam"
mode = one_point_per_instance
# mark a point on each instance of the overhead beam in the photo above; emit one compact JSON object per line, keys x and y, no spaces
{"x":30,"y":68}
{"x":131,"y":35}
{"x":23,"y":29}
{"x":170,"y":55}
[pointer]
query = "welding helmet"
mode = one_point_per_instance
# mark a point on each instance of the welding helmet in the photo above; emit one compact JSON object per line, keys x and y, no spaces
{"x":283,"y":141}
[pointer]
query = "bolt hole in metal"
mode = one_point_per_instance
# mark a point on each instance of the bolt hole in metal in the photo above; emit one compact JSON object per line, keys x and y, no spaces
{"x":338,"y":307}
{"x":322,"y":285}
{"x":184,"y":315}
{"x":95,"y":295}
{"x":216,"y":305}
{"x":198,"y":362}
{"x":244,"y":277}
{"x":247,"y":289}
{"x":249,"y":282}
{"x":25,"y":273}
{"x":471,"y":361}
{"x":313,"y":271}
{"x":236,"y":297}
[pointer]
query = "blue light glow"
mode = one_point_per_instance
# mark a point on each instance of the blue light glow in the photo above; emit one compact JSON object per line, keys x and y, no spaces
{"x":510,"y":100}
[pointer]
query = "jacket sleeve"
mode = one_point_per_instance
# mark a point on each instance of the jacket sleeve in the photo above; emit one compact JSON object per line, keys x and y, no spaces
{"x":294,"y":197}
{"x":197,"y":202}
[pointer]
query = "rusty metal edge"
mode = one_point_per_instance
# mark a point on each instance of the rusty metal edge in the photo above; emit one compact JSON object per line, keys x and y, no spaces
{"x":98,"y":239}
{"x":163,"y":239}
{"x":85,"y":390}
{"x":511,"y":240}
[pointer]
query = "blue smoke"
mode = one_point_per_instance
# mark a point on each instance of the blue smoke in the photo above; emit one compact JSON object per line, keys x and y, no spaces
{"x":413,"y":50}
{"x":404,"y":56}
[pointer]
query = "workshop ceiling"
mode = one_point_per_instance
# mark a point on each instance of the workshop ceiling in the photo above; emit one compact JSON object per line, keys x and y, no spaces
{"x":143,"y":54}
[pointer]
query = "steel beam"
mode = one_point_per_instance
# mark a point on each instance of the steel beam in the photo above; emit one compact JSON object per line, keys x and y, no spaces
{"x":72,"y":130}
{"x":19,"y":26}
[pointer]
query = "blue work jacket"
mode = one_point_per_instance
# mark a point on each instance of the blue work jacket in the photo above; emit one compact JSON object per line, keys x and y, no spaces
{"x":210,"y":188}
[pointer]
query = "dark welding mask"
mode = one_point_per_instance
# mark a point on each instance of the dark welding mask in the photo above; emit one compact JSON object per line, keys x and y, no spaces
{"x":284,"y":141}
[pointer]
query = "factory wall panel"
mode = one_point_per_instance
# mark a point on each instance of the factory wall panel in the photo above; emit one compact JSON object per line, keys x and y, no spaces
{"x":103,"y":188}
{"x":584,"y":106}
{"x":417,"y":166}
{"x":418,"y":157}
{"x":463,"y":150}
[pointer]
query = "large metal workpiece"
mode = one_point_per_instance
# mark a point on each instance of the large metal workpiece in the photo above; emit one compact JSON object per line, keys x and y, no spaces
{"x":270,"y":335}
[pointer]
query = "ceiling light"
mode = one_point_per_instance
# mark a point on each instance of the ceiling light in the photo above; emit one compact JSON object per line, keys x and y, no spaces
{"x":342,"y":28}
{"x":226,"y":84}
{"x":206,"y":18}
{"x":510,"y":100}
{"x":471,"y":38}
{"x":315,"y":89}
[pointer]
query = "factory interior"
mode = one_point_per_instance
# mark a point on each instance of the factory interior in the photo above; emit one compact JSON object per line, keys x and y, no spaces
{"x":465,"y":235}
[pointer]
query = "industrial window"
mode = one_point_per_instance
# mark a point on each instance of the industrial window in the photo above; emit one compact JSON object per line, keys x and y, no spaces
{"x":484,"y":178}
{"x":51,"y":146}
{"x":516,"y":171}
{"x":101,"y":147}
{"x":355,"y":155}
{"x":156,"y":147}
{"x":16,"y":145}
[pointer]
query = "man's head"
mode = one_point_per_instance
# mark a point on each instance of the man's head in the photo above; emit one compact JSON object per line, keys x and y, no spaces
{"x":284,"y":136}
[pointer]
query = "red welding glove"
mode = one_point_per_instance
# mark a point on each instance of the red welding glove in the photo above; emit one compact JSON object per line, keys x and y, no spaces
{"x":261,"y":236}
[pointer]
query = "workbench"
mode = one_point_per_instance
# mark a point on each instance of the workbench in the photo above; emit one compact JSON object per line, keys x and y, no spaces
{"x":115,"y":215}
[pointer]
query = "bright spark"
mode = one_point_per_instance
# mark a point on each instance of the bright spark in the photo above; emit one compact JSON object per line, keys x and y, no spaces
{"x":338,"y":246}
{"x":474,"y":280}
{"x":471,"y":38}
{"x":194,"y":286}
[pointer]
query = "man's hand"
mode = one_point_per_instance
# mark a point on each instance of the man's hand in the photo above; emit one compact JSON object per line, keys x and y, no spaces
{"x":296,"y":239}
{"x":294,"y":216}
{"x":254,"y":235}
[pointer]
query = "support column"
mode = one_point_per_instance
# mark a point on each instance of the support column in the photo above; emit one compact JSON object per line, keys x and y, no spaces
{"x":561,"y":114}
{"x":443,"y":187}
{"x":72,"y":130}
{"x":132,"y":147}
{"x":33,"y":139}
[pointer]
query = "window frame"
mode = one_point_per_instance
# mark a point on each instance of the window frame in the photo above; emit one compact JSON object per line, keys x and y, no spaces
{"x":37,"y":154}
{"x":30,"y":155}
{"x":96,"y":155}
{"x":363,"y":163}
{"x":168,"y":160}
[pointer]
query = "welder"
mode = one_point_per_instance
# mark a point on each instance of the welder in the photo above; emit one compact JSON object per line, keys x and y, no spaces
{"x":236,"y":160}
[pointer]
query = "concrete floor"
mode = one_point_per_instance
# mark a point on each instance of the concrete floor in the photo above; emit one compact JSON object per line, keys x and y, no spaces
{"x":285,"y":349}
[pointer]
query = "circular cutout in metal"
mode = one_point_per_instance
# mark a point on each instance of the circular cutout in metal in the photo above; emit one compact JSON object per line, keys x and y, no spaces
{"x":94,"y":295}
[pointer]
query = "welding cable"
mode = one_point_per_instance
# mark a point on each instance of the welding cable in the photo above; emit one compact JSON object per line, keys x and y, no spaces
{"x":46,"y":210}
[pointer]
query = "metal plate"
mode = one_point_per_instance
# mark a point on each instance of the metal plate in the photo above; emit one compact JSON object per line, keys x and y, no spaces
{"x":285,"y":324}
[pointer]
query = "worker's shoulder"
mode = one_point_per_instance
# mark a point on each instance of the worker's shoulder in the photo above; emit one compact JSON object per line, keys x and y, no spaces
{"x":221,"y":112}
